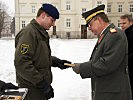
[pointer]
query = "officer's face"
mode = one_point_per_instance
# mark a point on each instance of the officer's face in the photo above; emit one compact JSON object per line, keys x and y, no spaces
{"x":124,"y":23}
{"x":93,"y":26}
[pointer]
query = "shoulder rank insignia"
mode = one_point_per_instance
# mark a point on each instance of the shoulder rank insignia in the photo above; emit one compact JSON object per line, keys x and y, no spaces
{"x":24,"y":48}
{"x":113,"y":30}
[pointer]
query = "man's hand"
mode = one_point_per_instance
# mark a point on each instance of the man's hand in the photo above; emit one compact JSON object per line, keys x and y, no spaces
{"x":49,"y":93}
{"x":76,"y":68}
{"x":46,"y":89}
{"x":56,"y":62}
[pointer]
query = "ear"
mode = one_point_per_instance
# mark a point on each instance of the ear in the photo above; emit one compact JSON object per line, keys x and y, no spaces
{"x":43,"y":15}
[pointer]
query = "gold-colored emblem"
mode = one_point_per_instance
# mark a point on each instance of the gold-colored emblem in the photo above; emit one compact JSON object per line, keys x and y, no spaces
{"x":24,"y":48}
{"x":112,"y":30}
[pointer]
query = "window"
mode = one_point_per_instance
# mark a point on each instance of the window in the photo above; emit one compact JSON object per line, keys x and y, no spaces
{"x":119,"y":8}
{"x":68,"y":23}
{"x":108,"y":8}
{"x":99,"y":3}
{"x":33,"y":9}
{"x":83,"y":10}
{"x":23,"y":24}
{"x":22,"y":8}
{"x":68,"y":5}
{"x":118,"y":23}
{"x":131,"y":8}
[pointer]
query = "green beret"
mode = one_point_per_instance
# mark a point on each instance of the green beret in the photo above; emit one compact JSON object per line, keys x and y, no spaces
{"x":51,"y":10}
{"x":92,"y":13}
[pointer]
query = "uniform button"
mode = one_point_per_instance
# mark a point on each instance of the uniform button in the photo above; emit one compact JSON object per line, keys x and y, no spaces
{"x":126,"y":70}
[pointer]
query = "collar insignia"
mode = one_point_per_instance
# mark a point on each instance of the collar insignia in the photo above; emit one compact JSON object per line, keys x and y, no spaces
{"x":24,"y":48}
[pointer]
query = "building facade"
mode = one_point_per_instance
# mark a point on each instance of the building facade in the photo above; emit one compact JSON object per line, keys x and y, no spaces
{"x":71,"y":24}
{"x":116,"y":8}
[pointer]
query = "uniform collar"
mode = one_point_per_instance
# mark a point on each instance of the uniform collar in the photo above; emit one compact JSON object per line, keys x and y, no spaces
{"x":40,"y":28}
{"x":129,"y":28}
{"x":108,"y":28}
{"x":104,"y":32}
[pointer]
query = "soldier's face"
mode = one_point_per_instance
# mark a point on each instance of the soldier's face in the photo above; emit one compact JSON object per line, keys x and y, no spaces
{"x":48,"y":21}
{"x":124,"y":23}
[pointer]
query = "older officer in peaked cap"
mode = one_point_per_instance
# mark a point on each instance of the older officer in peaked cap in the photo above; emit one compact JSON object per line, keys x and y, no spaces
{"x":92,"y":13}
{"x":33,"y":58}
{"x":108,"y":64}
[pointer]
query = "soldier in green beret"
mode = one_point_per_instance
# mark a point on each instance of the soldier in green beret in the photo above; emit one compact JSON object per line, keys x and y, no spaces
{"x":33,"y":58}
{"x":108,"y":64}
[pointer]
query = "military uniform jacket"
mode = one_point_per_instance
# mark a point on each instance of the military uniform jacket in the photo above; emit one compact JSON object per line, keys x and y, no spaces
{"x":107,"y":66}
{"x":32,"y":55}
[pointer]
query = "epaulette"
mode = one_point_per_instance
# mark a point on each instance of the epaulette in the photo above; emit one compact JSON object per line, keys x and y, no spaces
{"x":113,"y":30}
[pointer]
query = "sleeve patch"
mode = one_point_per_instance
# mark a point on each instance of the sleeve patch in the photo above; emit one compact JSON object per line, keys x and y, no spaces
{"x":24,"y":48}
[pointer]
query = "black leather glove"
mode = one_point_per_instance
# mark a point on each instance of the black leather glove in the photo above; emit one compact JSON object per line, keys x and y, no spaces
{"x":9,"y":86}
{"x":56,"y":62}
{"x":49,"y":93}
{"x":46,"y":89}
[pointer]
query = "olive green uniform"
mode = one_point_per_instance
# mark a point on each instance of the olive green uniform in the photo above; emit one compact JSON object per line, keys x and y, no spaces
{"x":107,"y":67}
{"x":33,"y":59}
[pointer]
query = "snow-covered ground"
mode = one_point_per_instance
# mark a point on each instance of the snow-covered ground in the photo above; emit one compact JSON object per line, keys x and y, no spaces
{"x":67,"y":84}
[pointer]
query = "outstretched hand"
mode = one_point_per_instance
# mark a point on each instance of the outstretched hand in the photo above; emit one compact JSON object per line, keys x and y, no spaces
{"x":76,"y":68}
{"x":56,"y":62}
{"x":63,"y":66}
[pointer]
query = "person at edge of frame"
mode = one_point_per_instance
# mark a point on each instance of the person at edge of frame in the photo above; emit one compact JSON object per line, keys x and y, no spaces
{"x":126,"y":23}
